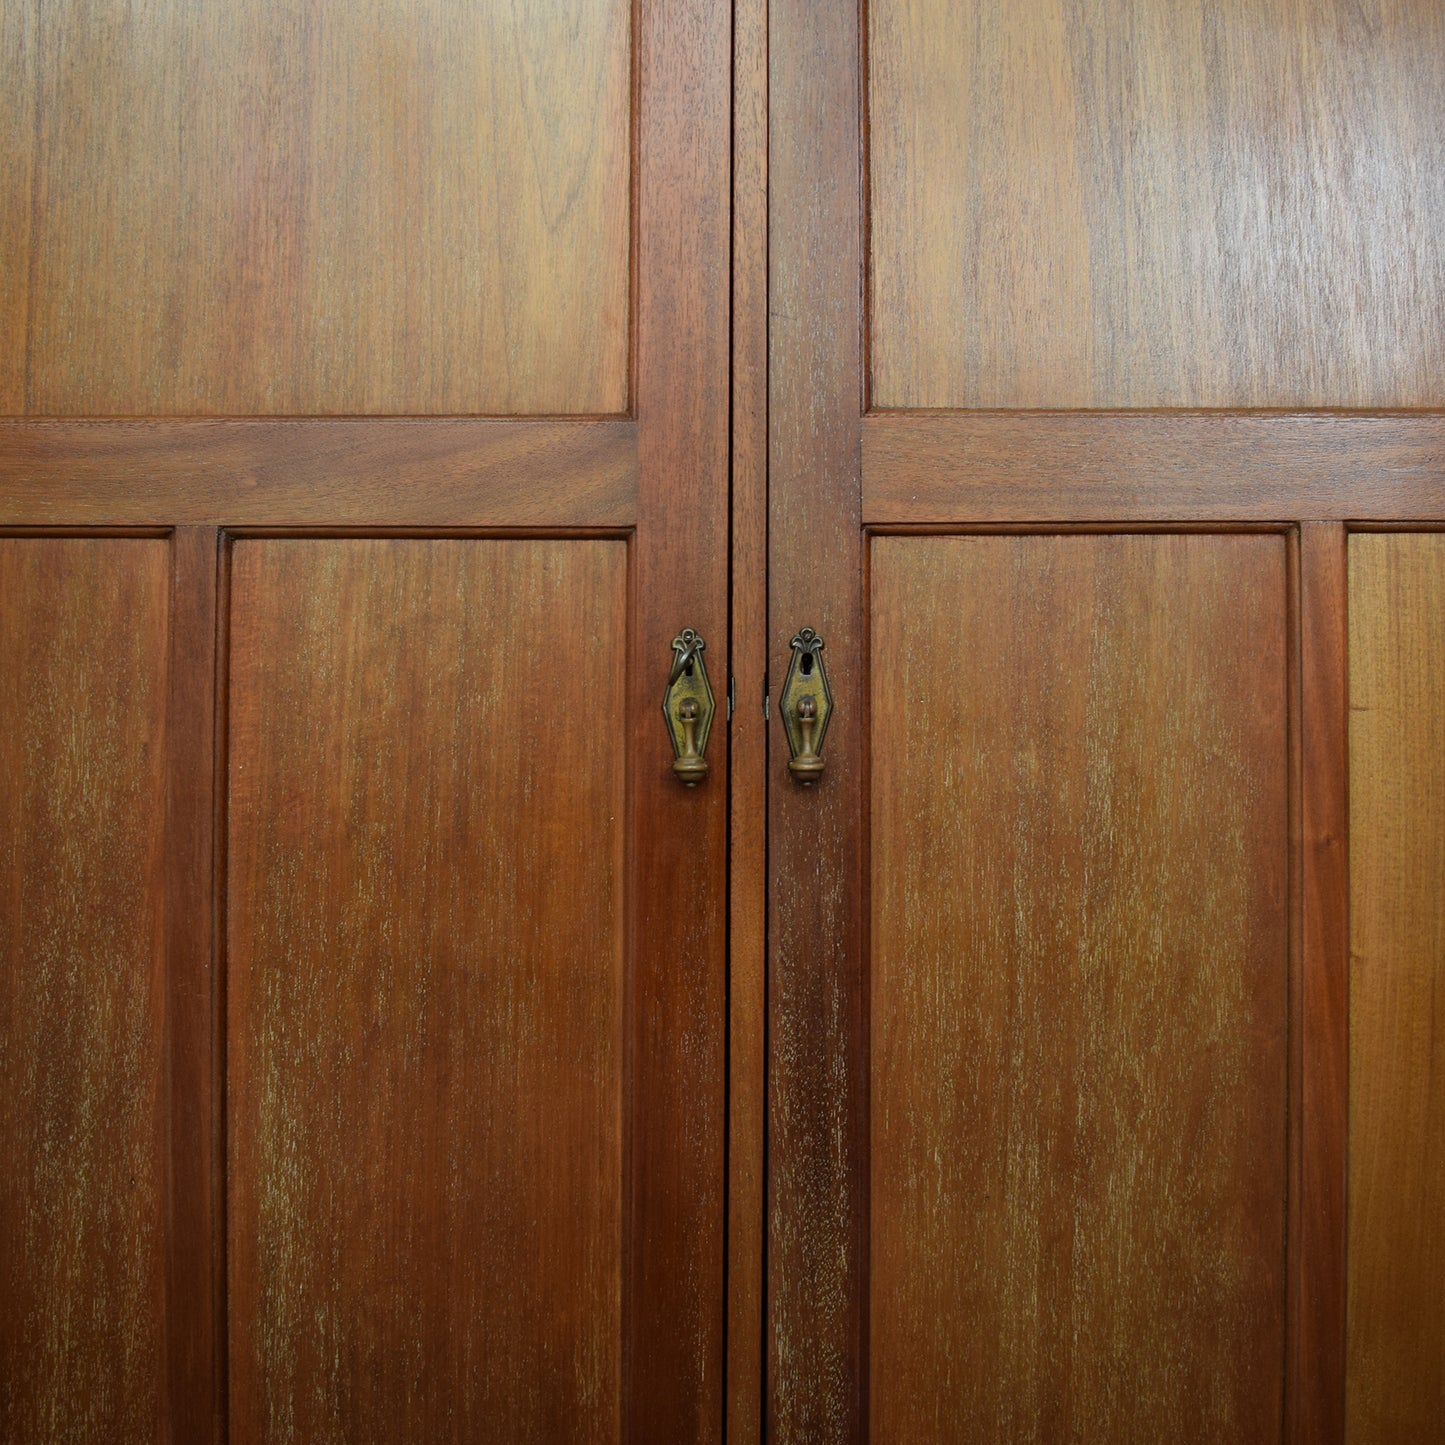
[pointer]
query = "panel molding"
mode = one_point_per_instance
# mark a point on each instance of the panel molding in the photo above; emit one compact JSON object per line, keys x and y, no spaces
{"x":941,"y":467}
{"x":384,"y":472}
{"x":1272,"y":908}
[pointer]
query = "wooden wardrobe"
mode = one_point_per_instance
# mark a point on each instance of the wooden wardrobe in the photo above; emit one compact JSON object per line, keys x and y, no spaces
{"x":1005,"y":444}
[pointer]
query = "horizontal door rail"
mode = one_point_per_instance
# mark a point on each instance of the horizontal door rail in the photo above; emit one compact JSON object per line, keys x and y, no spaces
{"x":940,"y":467}
{"x":382,"y":472}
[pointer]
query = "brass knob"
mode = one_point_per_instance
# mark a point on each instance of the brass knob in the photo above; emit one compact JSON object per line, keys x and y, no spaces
{"x":807,"y":767}
{"x":689,"y":764}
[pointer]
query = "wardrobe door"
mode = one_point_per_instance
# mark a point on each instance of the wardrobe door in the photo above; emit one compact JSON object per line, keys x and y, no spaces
{"x":365,"y":381}
{"x":1097,"y":333}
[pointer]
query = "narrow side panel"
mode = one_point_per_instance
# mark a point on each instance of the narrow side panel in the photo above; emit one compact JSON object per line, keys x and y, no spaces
{"x":83,"y":684}
{"x":1395,"y":1390}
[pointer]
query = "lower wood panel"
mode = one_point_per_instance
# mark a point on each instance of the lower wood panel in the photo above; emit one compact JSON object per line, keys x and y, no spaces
{"x":1079,"y":987}
{"x":425,"y":996}
{"x":1396,"y":1307}
{"x":83,"y":644}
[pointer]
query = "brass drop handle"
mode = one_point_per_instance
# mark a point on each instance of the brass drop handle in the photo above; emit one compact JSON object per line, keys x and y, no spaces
{"x":807,"y":765}
{"x":806,"y":706}
{"x":688,"y":707}
{"x":689,"y":764}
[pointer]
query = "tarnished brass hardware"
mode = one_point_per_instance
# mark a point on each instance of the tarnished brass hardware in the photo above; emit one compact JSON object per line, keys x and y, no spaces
{"x":688,"y":707}
{"x":806,"y":707}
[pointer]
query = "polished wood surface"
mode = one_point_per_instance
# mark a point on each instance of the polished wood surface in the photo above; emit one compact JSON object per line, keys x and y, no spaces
{"x":377,"y":472}
{"x":817,"y":1193}
{"x":83,"y":1078}
{"x":425,"y":951}
{"x":1156,"y":466}
{"x":676,"y":1315}
{"x":17,"y":171}
{"x":195,"y":1281}
{"x":748,"y":803}
{"x":1079,"y":986}
{"x":1126,"y":204}
{"x":1316,"y":1398}
{"x":256,"y":208}
{"x":1396,"y":1369}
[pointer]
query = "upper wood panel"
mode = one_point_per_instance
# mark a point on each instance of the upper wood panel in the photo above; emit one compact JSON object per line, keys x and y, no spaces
{"x":1079,"y":988}
{"x":1135,"y":203}
{"x":258,"y":207}
{"x":1396,"y":1311}
{"x":83,"y":641}
{"x":425,"y":937}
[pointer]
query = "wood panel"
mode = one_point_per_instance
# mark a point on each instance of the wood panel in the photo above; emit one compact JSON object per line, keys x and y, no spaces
{"x":1396,"y":1365}
{"x":196,"y":1294}
{"x":1323,"y":1038}
{"x":748,"y":735}
{"x":17,"y":171}
{"x":1167,"y":467}
{"x":376,"y":472}
{"x":677,"y":1308}
{"x":425,"y":952}
{"x":83,"y":644}
{"x":817,"y":1195}
{"x":1121,"y":204}
{"x":274,"y":208}
{"x":1079,"y":987}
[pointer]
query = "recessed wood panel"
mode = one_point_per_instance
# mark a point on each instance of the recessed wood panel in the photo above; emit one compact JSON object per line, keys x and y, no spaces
{"x":83,"y":642}
{"x":1396,"y":1311}
{"x":1151,"y":204}
{"x":288,"y":208}
{"x":425,"y":944}
{"x":1079,"y":987}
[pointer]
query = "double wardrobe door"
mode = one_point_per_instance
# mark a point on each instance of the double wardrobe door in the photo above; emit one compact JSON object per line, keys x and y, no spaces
{"x":997,"y":997}
{"x":362,"y":960}
{"x":1106,"y":953}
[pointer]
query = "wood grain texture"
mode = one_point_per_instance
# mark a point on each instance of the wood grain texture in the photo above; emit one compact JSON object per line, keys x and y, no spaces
{"x":1079,"y":987}
{"x":377,"y":472}
{"x":677,"y":1304}
{"x":816,"y":1379}
{"x":1396,"y":1366}
{"x":17,"y":173}
{"x":1120,"y":204}
{"x":263,"y":208}
{"x":1122,"y":467}
{"x":748,"y":777}
{"x":425,"y":989}
{"x":195,"y":1280}
{"x":83,"y":648}
{"x":1318,"y":1359}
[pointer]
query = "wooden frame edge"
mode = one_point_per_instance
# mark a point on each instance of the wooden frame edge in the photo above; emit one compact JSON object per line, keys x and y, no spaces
{"x":381,"y":471}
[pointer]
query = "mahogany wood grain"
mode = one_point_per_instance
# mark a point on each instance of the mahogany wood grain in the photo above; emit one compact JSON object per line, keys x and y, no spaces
{"x":1079,"y":987}
{"x":360,"y":472}
{"x":1133,"y":203}
{"x":1153,"y":466}
{"x":17,"y":170}
{"x":425,"y":944}
{"x":195,"y":1283}
{"x":1318,"y":1357}
{"x":83,"y":666}
{"x":748,"y":813}
{"x":261,"y":208}
{"x":677,"y":1305}
{"x":817,"y":1182}
{"x":1396,"y":1367}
